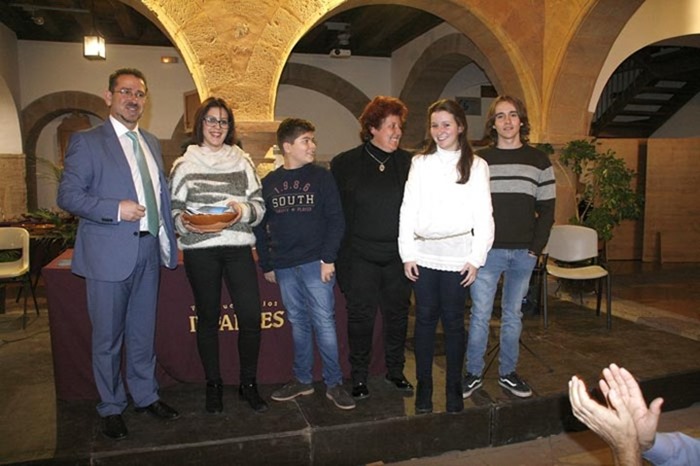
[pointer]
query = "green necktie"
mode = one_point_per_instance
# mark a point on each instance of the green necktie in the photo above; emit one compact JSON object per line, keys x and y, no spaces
{"x":149,"y":194}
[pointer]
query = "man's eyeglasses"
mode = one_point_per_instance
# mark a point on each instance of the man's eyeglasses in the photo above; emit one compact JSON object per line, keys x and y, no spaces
{"x":126,"y":92}
{"x":213,"y":121}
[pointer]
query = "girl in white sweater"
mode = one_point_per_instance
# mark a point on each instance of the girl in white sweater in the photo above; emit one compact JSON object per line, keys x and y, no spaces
{"x":446,"y":229}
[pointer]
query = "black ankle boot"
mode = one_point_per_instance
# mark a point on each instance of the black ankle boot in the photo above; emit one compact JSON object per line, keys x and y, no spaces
{"x":424,"y":397}
{"x":214,"y":401}
{"x":249,"y":393}
{"x":453,"y":395}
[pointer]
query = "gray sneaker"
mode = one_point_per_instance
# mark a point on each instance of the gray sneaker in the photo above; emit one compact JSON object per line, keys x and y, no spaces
{"x":292,"y":390}
{"x":340,"y":397}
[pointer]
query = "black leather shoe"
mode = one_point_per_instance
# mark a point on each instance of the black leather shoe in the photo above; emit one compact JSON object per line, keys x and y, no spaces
{"x":401,"y":384}
{"x":114,"y":427}
{"x":249,"y":393}
{"x":160,"y":410}
{"x":214,"y":398}
{"x":360,"y":391}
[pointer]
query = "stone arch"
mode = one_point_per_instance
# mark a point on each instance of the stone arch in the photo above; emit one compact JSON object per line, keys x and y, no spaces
{"x":326,"y":83}
{"x":42,"y":111}
{"x":431,"y":73}
{"x":580,"y":66}
{"x":242,"y":58}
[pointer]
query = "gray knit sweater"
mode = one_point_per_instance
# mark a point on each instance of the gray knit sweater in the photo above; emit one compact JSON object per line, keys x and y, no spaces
{"x":202,"y":177}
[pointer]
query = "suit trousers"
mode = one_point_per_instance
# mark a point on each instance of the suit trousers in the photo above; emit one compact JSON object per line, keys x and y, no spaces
{"x":371,"y":285}
{"x":205,"y":269}
{"x":123,"y":313}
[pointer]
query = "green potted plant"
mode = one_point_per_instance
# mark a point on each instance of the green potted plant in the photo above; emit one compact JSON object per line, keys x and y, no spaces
{"x":60,"y":227}
{"x":603,"y":187}
{"x":56,"y":226}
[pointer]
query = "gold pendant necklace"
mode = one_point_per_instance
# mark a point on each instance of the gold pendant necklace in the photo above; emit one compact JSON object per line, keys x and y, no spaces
{"x":382,"y":165}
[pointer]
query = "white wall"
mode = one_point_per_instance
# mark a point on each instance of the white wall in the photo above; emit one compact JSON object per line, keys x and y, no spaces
{"x":10,"y":135}
{"x":467,"y":83}
{"x":403,"y":59}
{"x":336,"y":128}
{"x":8,"y":60}
{"x":47,"y":153}
{"x":47,"y":67}
{"x":371,"y":75}
{"x":684,"y":123}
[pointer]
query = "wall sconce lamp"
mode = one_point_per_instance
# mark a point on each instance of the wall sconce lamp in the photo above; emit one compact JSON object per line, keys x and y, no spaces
{"x":168,"y":60}
{"x":94,"y":47}
{"x":94,"y":43}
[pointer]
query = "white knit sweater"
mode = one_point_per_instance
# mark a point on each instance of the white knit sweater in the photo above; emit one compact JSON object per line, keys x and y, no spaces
{"x":202,"y":177}
{"x":438,"y":215}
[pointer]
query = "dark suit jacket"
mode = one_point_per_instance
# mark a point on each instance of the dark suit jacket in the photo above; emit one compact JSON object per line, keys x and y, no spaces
{"x":96,"y":177}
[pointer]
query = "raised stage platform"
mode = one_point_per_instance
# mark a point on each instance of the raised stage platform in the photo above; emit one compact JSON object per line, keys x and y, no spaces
{"x":385,"y":428}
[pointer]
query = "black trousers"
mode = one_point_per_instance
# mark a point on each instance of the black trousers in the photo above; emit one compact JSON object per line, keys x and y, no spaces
{"x":205,"y":268}
{"x":368,"y":286}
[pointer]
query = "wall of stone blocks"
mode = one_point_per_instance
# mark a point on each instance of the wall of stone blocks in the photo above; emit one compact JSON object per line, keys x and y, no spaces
{"x":13,"y":187}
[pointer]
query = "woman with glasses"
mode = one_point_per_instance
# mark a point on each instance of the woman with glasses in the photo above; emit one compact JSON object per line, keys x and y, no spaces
{"x":216,"y":172}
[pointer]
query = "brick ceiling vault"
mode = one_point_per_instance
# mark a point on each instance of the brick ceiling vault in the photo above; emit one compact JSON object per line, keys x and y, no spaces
{"x":237,"y":50}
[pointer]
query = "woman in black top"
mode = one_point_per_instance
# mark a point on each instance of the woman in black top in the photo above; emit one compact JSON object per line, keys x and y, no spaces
{"x":371,"y":180}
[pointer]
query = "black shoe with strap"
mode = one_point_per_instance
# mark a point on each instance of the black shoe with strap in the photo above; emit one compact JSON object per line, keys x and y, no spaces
{"x":360,"y":391}
{"x":214,"y":398}
{"x":249,"y":393}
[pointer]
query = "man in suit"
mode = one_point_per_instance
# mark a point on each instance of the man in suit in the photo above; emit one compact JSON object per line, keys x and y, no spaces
{"x":114,"y":182}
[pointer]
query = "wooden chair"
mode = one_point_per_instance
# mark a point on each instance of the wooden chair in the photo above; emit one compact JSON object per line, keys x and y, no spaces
{"x":572,"y":254}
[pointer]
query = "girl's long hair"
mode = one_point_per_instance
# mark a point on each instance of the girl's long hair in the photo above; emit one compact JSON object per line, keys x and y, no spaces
{"x":464,"y":163}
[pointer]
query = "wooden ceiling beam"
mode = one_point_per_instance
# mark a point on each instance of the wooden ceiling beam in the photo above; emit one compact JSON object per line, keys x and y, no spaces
{"x":125,"y":20}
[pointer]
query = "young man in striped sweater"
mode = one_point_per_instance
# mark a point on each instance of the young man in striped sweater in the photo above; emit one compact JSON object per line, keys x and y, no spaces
{"x":523,"y":195}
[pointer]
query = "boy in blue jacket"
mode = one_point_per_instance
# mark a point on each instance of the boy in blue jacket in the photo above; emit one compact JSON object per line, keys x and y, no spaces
{"x":297,"y":244}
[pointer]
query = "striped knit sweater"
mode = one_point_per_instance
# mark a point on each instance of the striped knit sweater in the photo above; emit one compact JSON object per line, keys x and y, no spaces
{"x":202,"y":177}
{"x":523,"y":193}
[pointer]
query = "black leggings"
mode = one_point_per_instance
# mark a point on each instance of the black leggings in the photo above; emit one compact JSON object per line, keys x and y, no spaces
{"x":205,"y":268}
{"x":371,"y":286}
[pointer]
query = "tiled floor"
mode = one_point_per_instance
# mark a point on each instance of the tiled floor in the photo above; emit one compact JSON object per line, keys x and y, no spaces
{"x":664,"y":297}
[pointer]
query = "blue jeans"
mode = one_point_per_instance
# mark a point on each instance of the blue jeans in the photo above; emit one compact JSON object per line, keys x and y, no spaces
{"x":310,"y":308}
{"x":516,"y":266}
{"x":439,"y":296}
